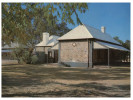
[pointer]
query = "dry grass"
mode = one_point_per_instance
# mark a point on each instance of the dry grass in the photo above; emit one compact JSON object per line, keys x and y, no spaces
{"x":54,"y":81}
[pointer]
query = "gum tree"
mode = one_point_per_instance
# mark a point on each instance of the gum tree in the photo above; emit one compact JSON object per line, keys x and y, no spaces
{"x":25,"y":22}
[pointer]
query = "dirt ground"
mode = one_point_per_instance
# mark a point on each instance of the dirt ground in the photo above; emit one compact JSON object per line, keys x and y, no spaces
{"x":7,"y":62}
{"x":51,"y":80}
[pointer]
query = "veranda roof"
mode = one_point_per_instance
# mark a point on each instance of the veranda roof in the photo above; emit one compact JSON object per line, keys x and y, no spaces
{"x":103,"y":45}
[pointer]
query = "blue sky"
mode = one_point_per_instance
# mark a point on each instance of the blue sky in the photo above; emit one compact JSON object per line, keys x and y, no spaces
{"x":114,"y":16}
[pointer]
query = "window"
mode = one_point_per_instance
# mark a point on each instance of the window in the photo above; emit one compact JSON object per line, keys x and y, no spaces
{"x":50,"y":54}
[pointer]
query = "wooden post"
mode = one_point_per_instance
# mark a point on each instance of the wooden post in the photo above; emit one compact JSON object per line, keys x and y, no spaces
{"x":52,"y":56}
{"x":59,"y":52}
{"x":108,"y":57}
{"x":47,"y":57}
{"x":90,"y":45}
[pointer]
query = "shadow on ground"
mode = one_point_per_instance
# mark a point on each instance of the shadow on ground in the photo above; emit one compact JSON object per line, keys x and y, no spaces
{"x":22,"y":76}
{"x":90,"y":90}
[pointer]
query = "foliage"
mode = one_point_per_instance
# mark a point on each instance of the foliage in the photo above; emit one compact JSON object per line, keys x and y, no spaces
{"x":125,"y":44}
{"x":34,"y":59}
{"x":17,"y":54}
{"x":22,"y":55}
{"x":24,"y":23}
{"x":118,"y":40}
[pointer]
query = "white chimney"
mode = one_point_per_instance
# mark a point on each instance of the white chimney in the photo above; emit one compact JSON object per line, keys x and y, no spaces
{"x":103,"y":29}
{"x":45,"y":38}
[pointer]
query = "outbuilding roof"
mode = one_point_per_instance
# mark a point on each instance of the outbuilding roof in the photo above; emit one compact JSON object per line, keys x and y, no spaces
{"x":52,"y":40}
{"x":6,"y":50}
{"x":85,"y":31}
{"x":12,"y":45}
{"x":54,"y":47}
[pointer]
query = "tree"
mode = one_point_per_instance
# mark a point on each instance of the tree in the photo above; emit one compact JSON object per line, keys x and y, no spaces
{"x":25,"y":22}
{"x":118,"y":40}
{"x":126,"y":44}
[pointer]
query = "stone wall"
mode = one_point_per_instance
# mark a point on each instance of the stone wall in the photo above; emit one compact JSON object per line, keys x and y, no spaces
{"x":74,"y":53}
{"x":46,"y":50}
{"x":40,"y":49}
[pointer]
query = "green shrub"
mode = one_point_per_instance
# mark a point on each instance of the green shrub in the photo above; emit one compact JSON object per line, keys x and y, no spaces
{"x":26,"y":57}
{"x":34,"y":59}
{"x":22,"y":55}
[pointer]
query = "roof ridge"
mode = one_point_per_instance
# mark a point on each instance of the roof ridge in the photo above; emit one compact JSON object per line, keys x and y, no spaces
{"x":93,"y":27}
{"x":96,"y":29}
{"x":88,"y":30}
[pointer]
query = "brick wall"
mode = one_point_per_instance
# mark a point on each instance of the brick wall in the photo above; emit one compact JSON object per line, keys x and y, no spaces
{"x":40,"y":49}
{"x":74,"y":52}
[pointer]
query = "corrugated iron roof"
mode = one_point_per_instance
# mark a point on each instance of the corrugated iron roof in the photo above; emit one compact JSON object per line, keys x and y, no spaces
{"x":51,"y":42}
{"x":55,"y":47}
{"x":6,"y":50}
{"x":84,"y":31}
{"x":111,"y":46}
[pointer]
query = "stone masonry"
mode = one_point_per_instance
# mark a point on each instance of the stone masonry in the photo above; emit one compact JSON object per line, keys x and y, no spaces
{"x":75,"y":51}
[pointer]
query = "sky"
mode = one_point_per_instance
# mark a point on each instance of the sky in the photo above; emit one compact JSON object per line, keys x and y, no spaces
{"x":114,"y":16}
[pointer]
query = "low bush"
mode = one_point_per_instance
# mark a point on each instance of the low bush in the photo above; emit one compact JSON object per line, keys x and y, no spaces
{"x":34,"y":59}
{"x":22,"y":55}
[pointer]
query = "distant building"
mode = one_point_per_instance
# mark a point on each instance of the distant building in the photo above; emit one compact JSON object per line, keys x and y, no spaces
{"x":7,"y":50}
{"x":42,"y":49}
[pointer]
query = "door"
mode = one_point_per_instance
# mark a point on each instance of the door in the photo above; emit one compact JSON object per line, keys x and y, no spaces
{"x":55,"y":56}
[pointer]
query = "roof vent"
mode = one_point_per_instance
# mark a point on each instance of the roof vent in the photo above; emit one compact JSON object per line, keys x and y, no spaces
{"x":103,"y":29}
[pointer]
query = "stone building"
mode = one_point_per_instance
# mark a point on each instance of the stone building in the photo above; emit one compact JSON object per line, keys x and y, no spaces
{"x":7,"y":51}
{"x":53,"y":54}
{"x":42,"y":48}
{"x":85,"y":46}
